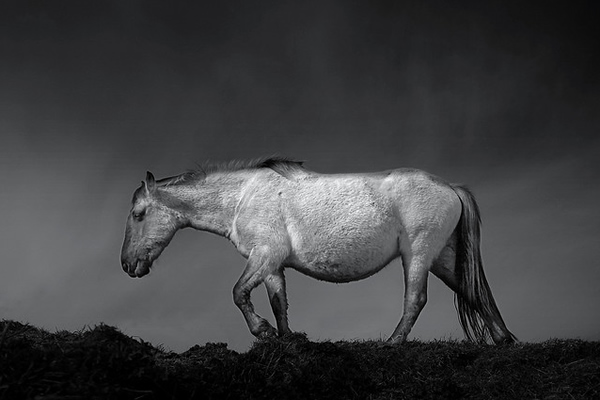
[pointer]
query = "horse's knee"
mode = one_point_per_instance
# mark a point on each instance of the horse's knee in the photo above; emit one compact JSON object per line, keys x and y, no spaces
{"x":240,"y":296}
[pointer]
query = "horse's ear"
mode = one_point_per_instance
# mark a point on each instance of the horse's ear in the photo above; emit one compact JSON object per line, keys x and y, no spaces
{"x":150,"y":183}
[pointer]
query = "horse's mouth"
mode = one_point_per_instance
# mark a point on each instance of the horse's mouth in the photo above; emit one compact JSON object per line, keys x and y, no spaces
{"x":142,"y":268}
{"x":139,"y":269}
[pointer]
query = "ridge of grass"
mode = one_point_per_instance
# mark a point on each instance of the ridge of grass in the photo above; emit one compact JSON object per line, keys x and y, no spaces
{"x":101,"y":362}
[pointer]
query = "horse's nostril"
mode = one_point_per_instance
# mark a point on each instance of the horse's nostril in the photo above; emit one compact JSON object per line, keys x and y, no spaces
{"x":125,"y":266}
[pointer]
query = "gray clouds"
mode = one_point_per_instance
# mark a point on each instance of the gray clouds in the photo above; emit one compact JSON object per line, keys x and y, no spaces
{"x":500,"y":96}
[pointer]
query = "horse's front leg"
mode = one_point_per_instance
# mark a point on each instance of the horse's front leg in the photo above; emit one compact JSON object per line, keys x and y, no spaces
{"x":259,"y":267}
{"x":275,"y":284}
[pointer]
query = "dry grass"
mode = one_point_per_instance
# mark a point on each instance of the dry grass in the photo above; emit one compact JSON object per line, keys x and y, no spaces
{"x":103,"y":363}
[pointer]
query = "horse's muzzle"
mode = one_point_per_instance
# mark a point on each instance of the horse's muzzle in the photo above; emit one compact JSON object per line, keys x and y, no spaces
{"x":137,"y":270}
{"x":128,"y":269}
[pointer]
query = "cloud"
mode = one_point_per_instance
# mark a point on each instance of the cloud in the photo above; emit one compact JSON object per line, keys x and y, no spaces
{"x":95,"y":95}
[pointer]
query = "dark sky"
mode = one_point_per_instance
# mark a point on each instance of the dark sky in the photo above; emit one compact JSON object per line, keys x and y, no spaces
{"x":501,"y":95}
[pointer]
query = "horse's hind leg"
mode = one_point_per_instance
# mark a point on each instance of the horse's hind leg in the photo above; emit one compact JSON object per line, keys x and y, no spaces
{"x":262,"y":264}
{"x":416,"y":271}
{"x":444,"y":268}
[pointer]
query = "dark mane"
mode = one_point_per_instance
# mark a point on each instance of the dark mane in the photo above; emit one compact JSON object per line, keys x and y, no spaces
{"x":283,"y":166}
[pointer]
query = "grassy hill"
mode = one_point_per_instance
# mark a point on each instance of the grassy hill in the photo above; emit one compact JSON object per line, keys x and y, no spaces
{"x":104,"y":363}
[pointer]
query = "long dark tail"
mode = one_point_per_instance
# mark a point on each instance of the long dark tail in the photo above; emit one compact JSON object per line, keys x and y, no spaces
{"x":477,"y":310}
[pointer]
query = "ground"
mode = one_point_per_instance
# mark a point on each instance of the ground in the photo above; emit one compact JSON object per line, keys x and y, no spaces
{"x":102,"y":362}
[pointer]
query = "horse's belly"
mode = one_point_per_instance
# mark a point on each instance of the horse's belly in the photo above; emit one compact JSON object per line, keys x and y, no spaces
{"x":341,"y":231}
{"x":338,"y":273}
{"x":344,"y":262}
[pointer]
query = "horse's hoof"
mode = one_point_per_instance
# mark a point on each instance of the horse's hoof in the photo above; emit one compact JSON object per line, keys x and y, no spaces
{"x":294,"y":336}
{"x":393,"y":341}
{"x":267,"y":331}
{"x":268,"y":334}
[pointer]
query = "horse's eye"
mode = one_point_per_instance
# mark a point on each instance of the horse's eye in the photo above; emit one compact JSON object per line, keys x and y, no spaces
{"x":139,"y":215}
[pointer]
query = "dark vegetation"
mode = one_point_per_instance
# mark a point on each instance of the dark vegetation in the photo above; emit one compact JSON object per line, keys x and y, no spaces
{"x":104,"y":363}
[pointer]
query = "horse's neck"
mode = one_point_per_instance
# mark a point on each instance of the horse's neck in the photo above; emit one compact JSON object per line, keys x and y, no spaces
{"x":211,"y":204}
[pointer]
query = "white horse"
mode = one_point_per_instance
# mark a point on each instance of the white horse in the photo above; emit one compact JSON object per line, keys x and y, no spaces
{"x":337,"y":228}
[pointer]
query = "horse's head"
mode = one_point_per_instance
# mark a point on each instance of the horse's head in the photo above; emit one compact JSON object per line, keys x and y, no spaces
{"x":151,"y":225}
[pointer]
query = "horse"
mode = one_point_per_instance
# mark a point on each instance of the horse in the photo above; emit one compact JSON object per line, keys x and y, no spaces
{"x":332,"y":227}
